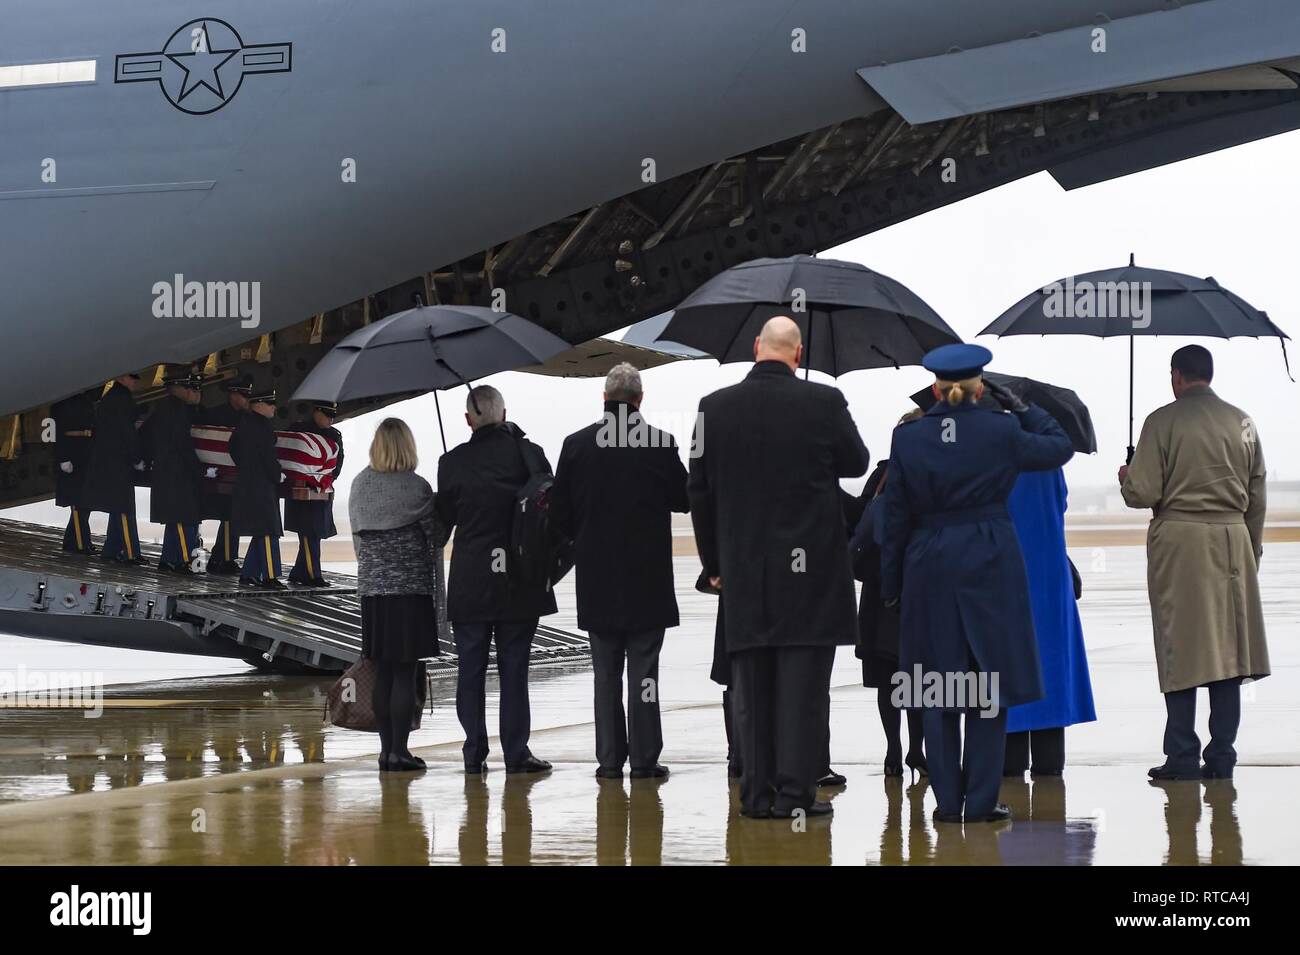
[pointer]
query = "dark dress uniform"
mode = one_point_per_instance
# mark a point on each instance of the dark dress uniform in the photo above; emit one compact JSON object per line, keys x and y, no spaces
{"x":115,"y":450}
{"x":225,"y":549}
{"x":949,"y":553}
{"x":255,"y":505}
{"x":177,"y":478}
{"x":74,"y":423}
{"x":765,"y":502}
{"x":312,"y":521}
{"x":478,"y":483}
{"x":615,"y":499}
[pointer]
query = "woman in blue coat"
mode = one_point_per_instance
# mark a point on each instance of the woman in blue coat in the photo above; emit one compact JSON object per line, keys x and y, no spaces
{"x":951,"y":562}
{"x":1037,"y":505}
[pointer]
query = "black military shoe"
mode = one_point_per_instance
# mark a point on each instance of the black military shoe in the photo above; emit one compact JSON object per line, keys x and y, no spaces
{"x":999,"y":813}
{"x":938,"y":816}
{"x":319,"y":582}
{"x":274,"y":584}
{"x":1210,"y":772}
{"x":475,"y":769}
{"x":831,"y":780}
{"x":166,"y":567}
{"x":605,"y":772}
{"x":530,"y":765}
{"x":657,"y":771}
{"x":1166,"y":772}
{"x":818,"y":808}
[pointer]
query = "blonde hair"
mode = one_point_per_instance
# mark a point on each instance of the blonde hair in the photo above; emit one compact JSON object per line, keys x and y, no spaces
{"x":911,"y":416}
{"x":955,"y":392}
{"x":393,"y":448}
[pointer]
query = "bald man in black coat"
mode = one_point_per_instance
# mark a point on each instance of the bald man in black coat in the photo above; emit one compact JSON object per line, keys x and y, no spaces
{"x":764,"y":494}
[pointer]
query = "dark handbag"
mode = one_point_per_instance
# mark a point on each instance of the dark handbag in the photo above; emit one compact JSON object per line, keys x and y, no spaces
{"x":348,"y":703}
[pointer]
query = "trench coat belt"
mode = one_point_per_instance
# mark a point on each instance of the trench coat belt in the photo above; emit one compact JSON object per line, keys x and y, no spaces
{"x":963,"y":515}
{"x":1202,"y":517}
{"x":78,"y":434}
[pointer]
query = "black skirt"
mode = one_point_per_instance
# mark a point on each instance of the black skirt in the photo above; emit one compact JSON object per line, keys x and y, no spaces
{"x":399,"y":628}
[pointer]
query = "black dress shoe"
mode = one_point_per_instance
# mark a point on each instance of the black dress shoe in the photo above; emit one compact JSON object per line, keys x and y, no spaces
{"x":531,"y":765}
{"x":400,"y":763}
{"x":1000,"y":813}
{"x":320,"y":582}
{"x":604,"y":772}
{"x":938,"y":816}
{"x":412,"y":760}
{"x":245,"y":582}
{"x":1208,"y":772}
{"x":831,"y":780}
{"x":472,"y":769}
{"x":140,"y":561}
{"x":1166,"y":772}
{"x":657,"y":771}
{"x":274,"y":584}
{"x":818,"y":808}
{"x":760,"y":812}
{"x":166,"y":567}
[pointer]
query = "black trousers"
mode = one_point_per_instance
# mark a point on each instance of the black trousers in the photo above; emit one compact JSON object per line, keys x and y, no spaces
{"x":1182,"y":743}
{"x":781,"y":696}
{"x":514,"y":642}
{"x":637,"y":734}
{"x":1047,"y":747}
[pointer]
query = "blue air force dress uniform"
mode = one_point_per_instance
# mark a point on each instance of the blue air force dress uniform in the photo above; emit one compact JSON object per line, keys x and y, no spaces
{"x":225,"y":549}
{"x":255,"y":505}
{"x":74,"y":423}
{"x":177,"y":474}
{"x":116,"y":454}
{"x":951,"y":560}
{"x":313,"y":521}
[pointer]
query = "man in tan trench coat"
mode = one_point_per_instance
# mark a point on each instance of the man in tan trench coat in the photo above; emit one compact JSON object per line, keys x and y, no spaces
{"x":1199,"y":466}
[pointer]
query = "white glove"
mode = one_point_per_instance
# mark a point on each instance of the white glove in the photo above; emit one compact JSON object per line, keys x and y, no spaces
{"x":211,"y":472}
{"x":282,"y":477}
{"x":66,"y":467}
{"x":139,"y":465}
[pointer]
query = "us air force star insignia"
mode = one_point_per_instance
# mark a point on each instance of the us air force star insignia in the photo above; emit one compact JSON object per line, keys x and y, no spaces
{"x":202,"y":66}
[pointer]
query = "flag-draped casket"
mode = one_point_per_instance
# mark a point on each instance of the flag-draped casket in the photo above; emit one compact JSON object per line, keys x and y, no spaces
{"x":308,"y":459}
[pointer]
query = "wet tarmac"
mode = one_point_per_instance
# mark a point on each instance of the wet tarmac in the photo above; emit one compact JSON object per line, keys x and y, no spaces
{"x":198,"y":761}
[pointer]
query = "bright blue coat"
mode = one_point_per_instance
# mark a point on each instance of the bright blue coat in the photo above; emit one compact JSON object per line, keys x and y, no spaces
{"x":1037,"y":506}
{"x":949,"y":549}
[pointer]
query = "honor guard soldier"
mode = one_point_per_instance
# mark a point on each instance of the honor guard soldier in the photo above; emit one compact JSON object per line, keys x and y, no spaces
{"x":313,"y":521}
{"x":177,"y":471}
{"x":74,"y":422}
{"x":255,"y":505}
{"x":225,"y":549}
{"x":116,"y":456}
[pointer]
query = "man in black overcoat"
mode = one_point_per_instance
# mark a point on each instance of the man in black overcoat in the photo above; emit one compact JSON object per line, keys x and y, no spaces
{"x":74,"y":425}
{"x":616,"y":485}
{"x":478,"y":484}
{"x":225,"y":549}
{"x":177,"y":472}
{"x":116,"y":456}
{"x":255,"y":505}
{"x":313,"y":521}
{"x":764,"y":492}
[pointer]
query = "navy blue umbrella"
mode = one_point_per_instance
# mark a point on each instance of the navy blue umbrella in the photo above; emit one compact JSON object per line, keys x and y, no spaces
{"x":1134,"y":301}
{"x":850,"y":316}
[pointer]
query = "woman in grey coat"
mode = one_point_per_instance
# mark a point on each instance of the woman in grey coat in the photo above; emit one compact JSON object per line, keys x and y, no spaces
{"x":399,"y":544}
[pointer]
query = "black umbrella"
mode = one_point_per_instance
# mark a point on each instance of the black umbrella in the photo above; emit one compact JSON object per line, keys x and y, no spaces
{"x":1061,"y":403}
{"x":427,"y":349}
{"x":1135,"y":301}
{"x":850,"y":316}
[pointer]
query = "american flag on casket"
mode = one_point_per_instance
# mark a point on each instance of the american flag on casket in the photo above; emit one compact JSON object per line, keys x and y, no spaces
{"x":308,"y":459}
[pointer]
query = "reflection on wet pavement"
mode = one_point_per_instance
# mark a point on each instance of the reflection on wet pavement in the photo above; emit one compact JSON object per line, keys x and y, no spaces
{"x":240,"y":769}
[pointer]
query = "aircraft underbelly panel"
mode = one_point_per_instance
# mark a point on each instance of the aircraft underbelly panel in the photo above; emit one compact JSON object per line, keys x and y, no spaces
{"x":1198,"y":38}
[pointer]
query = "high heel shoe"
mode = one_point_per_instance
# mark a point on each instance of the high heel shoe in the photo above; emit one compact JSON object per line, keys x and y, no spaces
{"x":916,"y":763}
{"x":893,"y":763}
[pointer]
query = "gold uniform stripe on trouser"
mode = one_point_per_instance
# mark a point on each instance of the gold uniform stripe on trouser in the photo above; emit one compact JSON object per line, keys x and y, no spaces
{"x":225,"y":537}
{"x":76,"y":530}
{"x":126,"y":538}
{"x":185,"y":547}
{"x":306,"y":552}
{"x":270,"y":564}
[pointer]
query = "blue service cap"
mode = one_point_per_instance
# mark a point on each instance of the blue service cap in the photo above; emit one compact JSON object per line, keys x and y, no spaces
{"x":957,"y":362}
